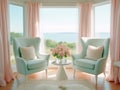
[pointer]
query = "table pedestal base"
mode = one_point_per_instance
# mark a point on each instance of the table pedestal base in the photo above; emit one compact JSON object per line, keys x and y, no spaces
{"x":61,"y":74}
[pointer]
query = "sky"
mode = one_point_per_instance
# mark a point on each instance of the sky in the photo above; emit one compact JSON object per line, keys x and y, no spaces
{"x":16,"y":18}
{"x":102,"y":18}
{"x":60,"y":19}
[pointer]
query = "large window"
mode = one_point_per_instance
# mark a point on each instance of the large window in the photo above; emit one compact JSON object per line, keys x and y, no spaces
{"x":59,"y":25}
{"x":16,"y":26}
{"x":102,"y":20}
{"x":102,"y":24}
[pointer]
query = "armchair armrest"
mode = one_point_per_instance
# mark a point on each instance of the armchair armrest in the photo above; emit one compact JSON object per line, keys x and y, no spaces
{"x":77,"y":56}
{"x":43,"y":56}
{"x":21,"y":65}
{"x":101,"y":59}
{"x":100,"y":65}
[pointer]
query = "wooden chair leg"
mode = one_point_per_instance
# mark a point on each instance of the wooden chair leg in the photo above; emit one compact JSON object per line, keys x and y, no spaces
{"x":104,"y":74}
{"x":74,"y":74}
{"x":96,"y":80}
{"x":26,"y":77}
{"x":46,"y":73}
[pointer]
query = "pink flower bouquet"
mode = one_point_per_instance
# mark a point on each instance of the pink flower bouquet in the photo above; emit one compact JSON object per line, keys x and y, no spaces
{"x":60,"y":51}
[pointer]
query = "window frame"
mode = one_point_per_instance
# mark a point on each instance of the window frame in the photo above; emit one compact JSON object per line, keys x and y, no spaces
{"x":93,"y":16}
{"x":14,"y":68}
{"x":65,"y":7}
{"x":24,"y":16}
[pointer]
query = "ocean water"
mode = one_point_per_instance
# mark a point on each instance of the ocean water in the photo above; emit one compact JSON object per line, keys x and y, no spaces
{"x":64,"y":37}
{"x":69,"y":36}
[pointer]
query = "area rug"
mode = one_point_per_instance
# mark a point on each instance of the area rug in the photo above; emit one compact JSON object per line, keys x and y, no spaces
{"x":55,"y":85}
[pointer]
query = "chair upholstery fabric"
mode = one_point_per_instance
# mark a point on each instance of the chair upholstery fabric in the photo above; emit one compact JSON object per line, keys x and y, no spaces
{"x":91,"y":66}
{"x":29,"y":66}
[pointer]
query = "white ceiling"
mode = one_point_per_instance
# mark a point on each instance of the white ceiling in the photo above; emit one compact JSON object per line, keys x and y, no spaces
{"x":60,"y":2}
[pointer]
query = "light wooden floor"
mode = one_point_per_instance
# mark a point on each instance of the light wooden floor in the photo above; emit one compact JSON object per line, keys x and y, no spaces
{"x":102,"y":83}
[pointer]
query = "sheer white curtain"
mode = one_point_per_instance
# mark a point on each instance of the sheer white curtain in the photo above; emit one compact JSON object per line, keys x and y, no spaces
{"x":42,"y":44}
{"x":32,"y":18}
{"x":5,"y":67}
{"x":84,"y":22}
{"x":114,"y":74}
{"x":33,"y":22}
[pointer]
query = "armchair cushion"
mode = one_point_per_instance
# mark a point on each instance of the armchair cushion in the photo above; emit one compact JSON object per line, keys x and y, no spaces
{"x":28,"y":53}
{"x":32,"y":64}
{"x":85,"y":63}
{"x":94,"y":52}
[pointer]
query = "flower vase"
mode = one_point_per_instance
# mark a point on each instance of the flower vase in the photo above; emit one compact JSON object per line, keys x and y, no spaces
{"x":65,"y":59}
{"x":60,"y":60}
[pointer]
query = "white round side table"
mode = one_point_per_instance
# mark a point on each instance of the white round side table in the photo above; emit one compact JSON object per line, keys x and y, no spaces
{"x":61,"y":74}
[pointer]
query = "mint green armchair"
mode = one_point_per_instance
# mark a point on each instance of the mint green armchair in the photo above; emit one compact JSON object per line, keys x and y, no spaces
{"x":80,"y":62}
{"x":26,"y":67}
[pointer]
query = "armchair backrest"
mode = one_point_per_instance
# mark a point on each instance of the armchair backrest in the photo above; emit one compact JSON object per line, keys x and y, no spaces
{"x":25,"y":42}
{"x":95,"y":42}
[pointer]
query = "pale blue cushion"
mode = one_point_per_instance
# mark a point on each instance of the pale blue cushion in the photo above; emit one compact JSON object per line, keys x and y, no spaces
{"x":85,"y":63}
{"x":32,"y":64}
